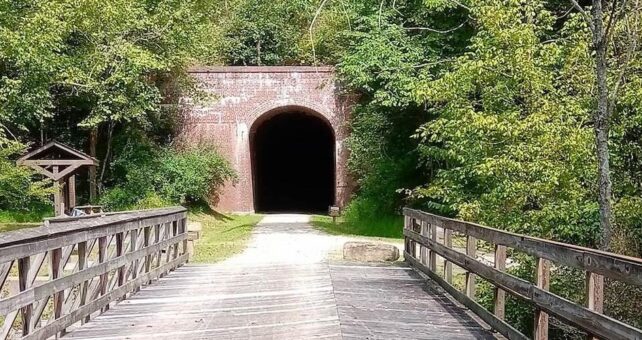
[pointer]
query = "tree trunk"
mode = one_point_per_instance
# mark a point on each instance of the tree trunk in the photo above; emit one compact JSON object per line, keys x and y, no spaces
{"x":93,"y":140}
{"x":107,"y":153}
{"x":601,"y":125}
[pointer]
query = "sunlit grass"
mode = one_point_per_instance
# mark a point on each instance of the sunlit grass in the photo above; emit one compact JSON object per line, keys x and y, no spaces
{"x":222,"y":235}
{"x":386,"y":226}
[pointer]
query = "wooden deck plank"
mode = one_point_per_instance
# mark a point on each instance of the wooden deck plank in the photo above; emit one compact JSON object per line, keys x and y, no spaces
{"x":286,"y":301}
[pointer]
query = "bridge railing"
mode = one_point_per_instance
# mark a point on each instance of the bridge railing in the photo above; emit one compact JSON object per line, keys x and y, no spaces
{"x":423,"y":246}
{"x":70,"y":269}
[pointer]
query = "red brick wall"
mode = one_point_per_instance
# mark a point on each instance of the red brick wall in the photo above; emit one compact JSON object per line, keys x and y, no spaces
{"x":247,"y":94}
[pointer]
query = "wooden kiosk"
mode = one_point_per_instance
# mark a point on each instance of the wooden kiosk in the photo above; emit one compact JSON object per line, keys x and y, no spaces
{"x":60,"y":163}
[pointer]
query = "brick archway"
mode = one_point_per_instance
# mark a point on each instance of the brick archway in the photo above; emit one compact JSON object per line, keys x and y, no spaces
{"x":248,"y":96}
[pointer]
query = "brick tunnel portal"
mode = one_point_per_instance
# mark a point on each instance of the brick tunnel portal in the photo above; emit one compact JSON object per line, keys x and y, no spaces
{"x":293,"y":163}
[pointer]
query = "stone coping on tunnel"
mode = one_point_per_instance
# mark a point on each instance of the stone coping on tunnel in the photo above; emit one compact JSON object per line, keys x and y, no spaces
{"x":261,"y":69}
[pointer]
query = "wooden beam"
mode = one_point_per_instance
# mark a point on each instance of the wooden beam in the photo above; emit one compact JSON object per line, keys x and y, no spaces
{"x":448,"y":266}
{"x":433,"y":255}
{"x":57,"y":268}
{"x":578,"y":315}
{"x":471,"y":251}
{"x":543,"y":280}
{"x":424,"y":250}
{"x":71,"y":192}
{"x":594,"y":294}
{"x":24,"y":267}
{"x":60,"y":162}
{"x":499,"y":295}
{"x":618,"y":267}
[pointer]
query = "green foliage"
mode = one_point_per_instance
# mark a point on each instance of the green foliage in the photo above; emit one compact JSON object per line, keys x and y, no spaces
{"x":160,"y":176}
{"x":383,"y":63}
{"x":510,"y":137}
{"x":18,"y":189}
{"x":102,"y":59}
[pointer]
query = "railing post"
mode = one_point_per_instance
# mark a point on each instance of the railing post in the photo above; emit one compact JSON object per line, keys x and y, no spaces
{"x":543,"y":282}
{"x":24,"y":283}
{"x":594,"y":294}
{"x":133,"y":246}
{"x":157,"y":238}
{"x":102,"y":257}
{"x":448,"y":266}
{"x":433,"y":254}
{"x":148,"y":258}
{"x":168,"y":250}
{"x":471,"y":250}
{"x":500,"y":295}
{"x":406,"y":226}
{"x":184,"y":231}
{"x":423,"y":249}
{"x":120,"y":251}
{"x":56,"y":272}
{"x":84,"y":285}
{"x":175,"y":245}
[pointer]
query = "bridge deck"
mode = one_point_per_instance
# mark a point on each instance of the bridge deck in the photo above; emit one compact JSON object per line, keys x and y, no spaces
{"x":236,"y":300}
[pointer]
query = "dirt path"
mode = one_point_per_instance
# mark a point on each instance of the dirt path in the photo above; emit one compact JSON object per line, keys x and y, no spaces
{"x":290,"y":239}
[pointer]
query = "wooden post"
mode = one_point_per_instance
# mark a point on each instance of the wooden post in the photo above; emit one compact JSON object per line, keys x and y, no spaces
{"x":543,"y":278}
{"x":448,"y":266}
{"x":71,"y":192}
{"x":56,"y":267}
{"x":184,"y":231}
{"x":168,"y":226}
{"x":433,"y":254}
{"x":423,"y":249}
{"x":594,"y":294}
{"x":471,"y":250}
{"x":133,"y":246}
{"x":84,"y":285}
{"x":175,"y":248}
{"x":148,"y":258}
{"x":24,"y":283}
{"x":406,"y":226}
{"x":59,"y":205}
{"x":120,"y":251}
{"x":413,"y":244}
{"x":102,"y":257}
{"x":500,"y":295}
{"x":157,"y":238}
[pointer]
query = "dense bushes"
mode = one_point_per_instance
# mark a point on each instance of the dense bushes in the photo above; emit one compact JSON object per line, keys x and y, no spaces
{"x":18,"y":188}
{"x":152,"y":176}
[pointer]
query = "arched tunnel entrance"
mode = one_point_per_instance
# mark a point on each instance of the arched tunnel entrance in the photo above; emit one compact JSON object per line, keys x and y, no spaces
{"x":293,"y":163}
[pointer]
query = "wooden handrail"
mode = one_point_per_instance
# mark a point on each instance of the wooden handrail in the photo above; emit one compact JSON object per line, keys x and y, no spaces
{"x":114,"y":254}
{"x":597,"y":264}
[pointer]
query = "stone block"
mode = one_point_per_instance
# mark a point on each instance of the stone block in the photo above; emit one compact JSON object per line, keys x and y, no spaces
{"x":369,"y":252}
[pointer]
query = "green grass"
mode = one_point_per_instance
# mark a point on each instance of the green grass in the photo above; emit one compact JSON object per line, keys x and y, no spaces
{"x":27,"y":216}
{"x":15,"y":220}
{"x":222,"y":235}
{"x":386,"y":226}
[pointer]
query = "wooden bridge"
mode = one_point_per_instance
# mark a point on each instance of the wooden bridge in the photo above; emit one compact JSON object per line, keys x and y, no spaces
{"x":125,"y":276}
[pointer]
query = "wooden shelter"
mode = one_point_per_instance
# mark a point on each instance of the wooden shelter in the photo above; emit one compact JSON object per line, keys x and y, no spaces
{"x":60,"y":163}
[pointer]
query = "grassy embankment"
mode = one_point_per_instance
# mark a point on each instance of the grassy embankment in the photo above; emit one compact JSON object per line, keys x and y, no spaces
{"x":222,"y":235}
{"x":387,"y":227}
{"x":14,"y":220}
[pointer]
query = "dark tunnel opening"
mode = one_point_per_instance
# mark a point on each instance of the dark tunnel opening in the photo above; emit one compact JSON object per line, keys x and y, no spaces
{"x":293,"y":164}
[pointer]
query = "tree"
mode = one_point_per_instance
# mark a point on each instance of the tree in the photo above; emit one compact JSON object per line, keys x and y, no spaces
{"x":73,"y":65}
{"x":603,"y":23}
